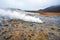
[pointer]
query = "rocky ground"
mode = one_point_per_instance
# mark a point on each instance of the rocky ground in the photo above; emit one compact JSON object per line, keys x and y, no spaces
{"x":19,"y":30}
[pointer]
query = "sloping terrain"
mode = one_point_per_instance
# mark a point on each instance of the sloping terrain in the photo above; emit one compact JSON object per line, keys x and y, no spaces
{"x":53,"y":8}
{"x":20,"y":30}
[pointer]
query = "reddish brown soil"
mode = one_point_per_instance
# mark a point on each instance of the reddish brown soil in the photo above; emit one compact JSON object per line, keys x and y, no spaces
{"x":46,"y":13}
{"x":50,"y":13}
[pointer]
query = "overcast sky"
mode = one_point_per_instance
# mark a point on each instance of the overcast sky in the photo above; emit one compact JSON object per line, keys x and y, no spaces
{"x":28,"y":4}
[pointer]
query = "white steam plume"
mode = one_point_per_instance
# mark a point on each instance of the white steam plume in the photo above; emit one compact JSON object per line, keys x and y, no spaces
{"x":19,"y":15}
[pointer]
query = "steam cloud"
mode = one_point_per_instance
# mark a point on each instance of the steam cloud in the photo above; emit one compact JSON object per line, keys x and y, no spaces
{"x":19,"y":15}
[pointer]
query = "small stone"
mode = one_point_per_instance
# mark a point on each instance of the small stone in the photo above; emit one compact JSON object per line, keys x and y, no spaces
{"x":32,"y":34}
{"x":50,"y":33}
{"x":21,"y":36}
{"x":25,"y":38}
{"x":53,"y":28}
{"x":29,"y":36}
{"x":40,"y":30}
{"x":58,"y":30}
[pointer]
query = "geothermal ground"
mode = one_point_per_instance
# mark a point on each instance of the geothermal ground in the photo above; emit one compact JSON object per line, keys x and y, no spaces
{"x":20,"y":30}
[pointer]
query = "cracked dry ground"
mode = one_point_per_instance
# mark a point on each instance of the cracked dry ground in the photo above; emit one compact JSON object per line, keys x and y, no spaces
{"x":20,"y":30}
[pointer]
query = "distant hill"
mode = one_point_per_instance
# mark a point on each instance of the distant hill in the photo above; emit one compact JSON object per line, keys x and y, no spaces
{"x":50,"y":11}
{"x":53,"y":9}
